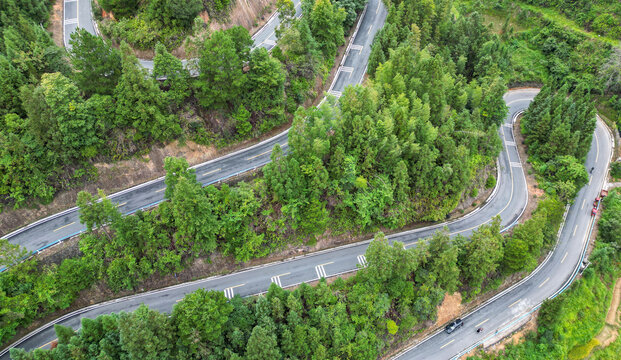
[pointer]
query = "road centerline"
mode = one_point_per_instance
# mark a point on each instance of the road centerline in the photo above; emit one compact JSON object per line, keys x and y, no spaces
{"x":447,"y":344}
{"x":515,"y":303}
{"x":64,"y":226}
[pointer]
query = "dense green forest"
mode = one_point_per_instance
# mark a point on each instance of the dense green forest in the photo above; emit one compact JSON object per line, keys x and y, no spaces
{"x":544,"y":51}
{"x":559,"y":128}
{"x":61,"y":113}
{"x":428,"y":129}
{"x":568,"y":324}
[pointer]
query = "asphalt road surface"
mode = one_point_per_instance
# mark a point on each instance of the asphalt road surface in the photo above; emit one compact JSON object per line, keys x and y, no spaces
{"x":49,"y":231}
{"x":508,"y":200}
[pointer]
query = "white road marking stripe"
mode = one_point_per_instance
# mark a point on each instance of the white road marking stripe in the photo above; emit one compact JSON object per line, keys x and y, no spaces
{"x":510,"y":142}
{"x":370,"y":28}
{"x":583,"y":202}
{"x":276,"y":280}
{"x":362,"y":260}
{"x":71,"y":21}
{"x":347,"y":69}
{"x":229,"y":293}
{"x":516,"y":164}
{"x":321,"y":271}
{"x":576,"y":228}
{"x":564,"y":257}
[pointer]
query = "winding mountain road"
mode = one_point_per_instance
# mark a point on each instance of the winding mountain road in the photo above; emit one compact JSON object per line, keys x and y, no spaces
{"x":508,"y":200}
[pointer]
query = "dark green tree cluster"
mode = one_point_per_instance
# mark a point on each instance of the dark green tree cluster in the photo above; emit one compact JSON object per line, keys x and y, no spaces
{"x":55,"y":122}
{"x":400,"y":150}
{"x":558,"y":127}
{"x":610,"y":222}
{"x":352,"y":9}
{"x":59,"y":121}
{"x":194,"y":222}
{"x":174,"y":13}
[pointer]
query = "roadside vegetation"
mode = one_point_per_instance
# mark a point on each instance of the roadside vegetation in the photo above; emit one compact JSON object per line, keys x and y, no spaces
{"x":543,"y":50}
{"x":568,"y":324}
{"x":144,"y":24}
{"x":602,"y":17}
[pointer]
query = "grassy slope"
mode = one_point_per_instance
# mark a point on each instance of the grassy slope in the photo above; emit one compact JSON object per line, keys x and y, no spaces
{"x":554,"y":16}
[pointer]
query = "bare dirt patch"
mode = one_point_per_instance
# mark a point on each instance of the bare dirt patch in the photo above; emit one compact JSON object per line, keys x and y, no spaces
{"x":450,"y":308}
{"x":55,"y":26}
{"x":251,"y":14}
{"x":610,"y":332}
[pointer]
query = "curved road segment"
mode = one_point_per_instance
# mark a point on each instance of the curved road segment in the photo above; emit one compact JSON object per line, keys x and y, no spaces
{"x":49,"y":231}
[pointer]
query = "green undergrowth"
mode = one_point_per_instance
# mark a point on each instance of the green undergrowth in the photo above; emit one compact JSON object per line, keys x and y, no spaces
{"x":610,"y":352}
{"x":568,"y":324}
{"x":554,"y":16}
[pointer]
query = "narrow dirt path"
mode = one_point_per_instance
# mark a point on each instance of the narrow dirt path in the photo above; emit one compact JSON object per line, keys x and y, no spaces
{"x":610,"y":331}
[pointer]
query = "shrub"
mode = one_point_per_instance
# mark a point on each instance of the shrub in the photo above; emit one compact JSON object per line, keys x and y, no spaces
{"x":490,"y":182}
{"x":582,"y":351}
{"x":615,"y":169}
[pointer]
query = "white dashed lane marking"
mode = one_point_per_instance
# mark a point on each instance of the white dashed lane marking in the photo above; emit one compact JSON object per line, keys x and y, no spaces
{"x":362,"y":260}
